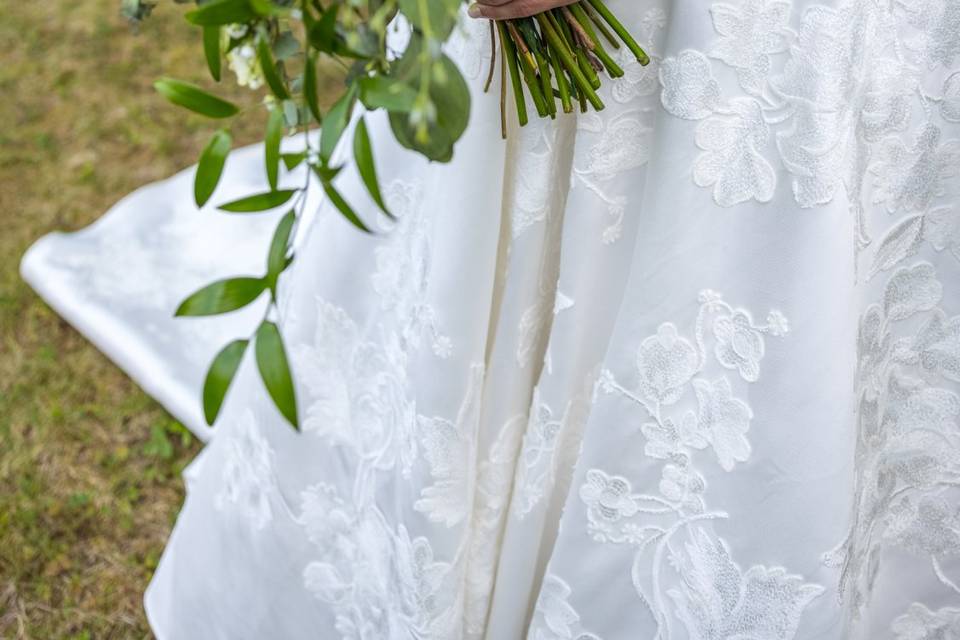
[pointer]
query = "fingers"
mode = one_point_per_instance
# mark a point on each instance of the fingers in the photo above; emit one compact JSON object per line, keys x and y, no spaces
{"x":508,"y":9}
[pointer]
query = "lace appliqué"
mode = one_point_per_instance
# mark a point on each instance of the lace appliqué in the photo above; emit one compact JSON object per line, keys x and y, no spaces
{"x":554,"y":617}
{"x":247,"y":481}
{"x":715,"y":597}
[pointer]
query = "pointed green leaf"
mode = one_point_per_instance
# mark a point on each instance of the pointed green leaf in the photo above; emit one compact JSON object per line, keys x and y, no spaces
{"x":260,"y":202}
{"x":344,"y":208}
{"x":275,"y":371}
{"x":310,"y":88}
{"x":270,"y":72}
{"x":220,"y":376}
{"x":277,"y":257}
{"x":211,"y":49}
{"x":271,"y":146}
{"x":222,"y":12}
{"x":222,"y":296}
{"x":210,"y":168}
{"x":336,"y":121}
{"x":381,"y":92}
{"x":363,"y":155}
{"x":292,"y":160}
{"x":194,"y":98}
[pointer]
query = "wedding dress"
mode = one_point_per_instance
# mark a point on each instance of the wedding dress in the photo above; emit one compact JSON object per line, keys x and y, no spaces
{"x":687,"y":368}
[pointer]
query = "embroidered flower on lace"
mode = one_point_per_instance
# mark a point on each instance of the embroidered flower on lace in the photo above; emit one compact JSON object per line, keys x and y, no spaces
{"x":380,"y":582}
{"x":554,"y":616}
{"x":920,"y":623}
{"x":717,"y":600}
{"x":910,"y":178}
{"x":247,"y":480}
{"x":835,"y":75}
{"x":749,"y":35}
{"x":907,"y":453}
{"x":666,"y":363}
{"x":402,"y":276}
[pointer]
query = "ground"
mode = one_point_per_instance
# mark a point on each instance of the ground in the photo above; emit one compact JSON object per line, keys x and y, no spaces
{"x":89,"y":465}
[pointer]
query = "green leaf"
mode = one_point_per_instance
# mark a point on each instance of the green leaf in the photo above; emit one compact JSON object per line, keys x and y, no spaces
{"x":336,"y":121}
{"x":222,"y":12}
{"x":270,"y":72}
{"x":310,"y":88}
{"x":363,"y":155}
{"x":275,"y":371}
{"x":277,"y":257}
{"x":438,"y":21}
{"x":222,"y":296}
{"x":382,"y":92}
{"x":260,"y":202}
{"x":211,"y":49}
{"x":210,"y":168}
{"x":292,"y":160}
{"x":344,"y":208}
{"x":194,"y":98}
{"x":323,"y":33}
{"x":220,"y":376}
{"x":271,"y":145}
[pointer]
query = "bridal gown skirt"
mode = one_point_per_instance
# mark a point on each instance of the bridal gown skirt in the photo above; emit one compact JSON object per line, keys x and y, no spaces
{"x":683,"y":369}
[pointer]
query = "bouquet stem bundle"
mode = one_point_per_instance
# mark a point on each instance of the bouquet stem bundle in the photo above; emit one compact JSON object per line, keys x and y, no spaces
{"x":559,"y":56}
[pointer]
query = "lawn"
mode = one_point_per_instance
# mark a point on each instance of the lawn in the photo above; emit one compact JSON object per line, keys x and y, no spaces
{"x":89,"y":465}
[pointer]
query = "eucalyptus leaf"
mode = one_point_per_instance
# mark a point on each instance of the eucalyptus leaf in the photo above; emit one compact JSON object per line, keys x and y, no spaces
{"x":211,"y":49}
{"x":363,"y":156}
{"x":275,"y":371}
{"x":277,"y":256}
{"x":271,"y":146}
{"x":336,"y":121}
{"x":219,"y":378}
{"x":439,"y":19}
{"x":310,"y":88}
{"x":293,"y":160}
{"x":344,"y":207}
{"x":222,"y":296}
{"x":194,"y":98}
{"x":210,"y":167}
{"x":270,"y":72}
{"x":384,"y":92}
{"x":222,"y":12}
{"x":259,"y":202}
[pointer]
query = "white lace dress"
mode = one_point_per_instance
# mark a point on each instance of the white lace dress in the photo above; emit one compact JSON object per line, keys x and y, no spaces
{"x":686,"y":369}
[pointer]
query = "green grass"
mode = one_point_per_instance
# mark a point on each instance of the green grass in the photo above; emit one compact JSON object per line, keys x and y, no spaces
{"x":89,"y":466}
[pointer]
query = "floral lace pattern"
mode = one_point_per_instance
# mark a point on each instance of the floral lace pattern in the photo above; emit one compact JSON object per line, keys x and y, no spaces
{"x":714,"y":598}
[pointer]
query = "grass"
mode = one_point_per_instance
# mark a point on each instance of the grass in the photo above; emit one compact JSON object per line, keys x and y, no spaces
{"x":89,"y":465}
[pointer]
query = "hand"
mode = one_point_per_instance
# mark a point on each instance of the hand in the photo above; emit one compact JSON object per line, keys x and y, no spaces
{"x":507,"y":9}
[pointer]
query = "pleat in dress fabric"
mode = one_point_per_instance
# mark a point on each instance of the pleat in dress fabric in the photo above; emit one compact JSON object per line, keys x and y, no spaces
{"x":685,"y":369}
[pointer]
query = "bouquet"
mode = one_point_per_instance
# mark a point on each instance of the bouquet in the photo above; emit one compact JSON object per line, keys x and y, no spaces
{"x":556,"y":58}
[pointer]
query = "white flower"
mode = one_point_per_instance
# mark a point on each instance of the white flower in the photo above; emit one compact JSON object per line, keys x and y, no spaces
{"x":911,"y":290}
{"x":732,"y":162}
{"x":689,"y":89}
{"x":242,"y":60}
{"x":717,"y":601}
{"x":723,"y":421}
{"x":666,"y":363}
{"x":740,"y":344}
{"x":749,"y":34}
{"x":247,"y":479}
{"x":930,"y":527}
{"x":920,"y":623}
{"x":608,"y":498}
{"x":683,"y":485}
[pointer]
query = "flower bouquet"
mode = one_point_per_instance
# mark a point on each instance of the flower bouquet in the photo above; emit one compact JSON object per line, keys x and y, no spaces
{"x":556,"y":57}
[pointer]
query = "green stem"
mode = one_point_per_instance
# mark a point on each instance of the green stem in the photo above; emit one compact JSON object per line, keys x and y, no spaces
{"x":615,"y":70}
{"x":510,"y":56}
{"x":600,"y":24}
{"x":560,"y":49}
{"x":563,"y":85}
{"x":621,"y":31}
